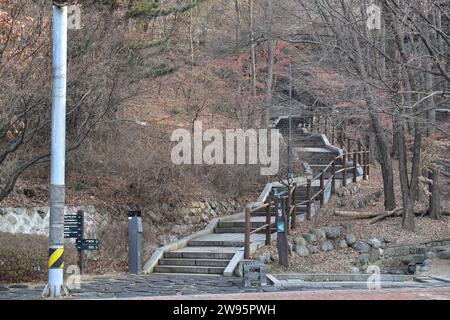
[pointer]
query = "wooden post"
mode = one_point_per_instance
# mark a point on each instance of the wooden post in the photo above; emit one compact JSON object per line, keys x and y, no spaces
{"x":333,"y":178}
{"x":333,"y":134}
{"x":294,"y":204}
{"x":287,"y":207}
{"x":322,"y":187}
{"x":355,"y":167}
{"x":349,"y":145}
{"x":308,"y":197}
{"x":364,"y":165}
{"x":368,"y":163}
{"x":359,"y":152}
{"x":247,"y":233}
{"x":344,"y":173}
{"x":342,"y":137}
{"x":268,"y":221}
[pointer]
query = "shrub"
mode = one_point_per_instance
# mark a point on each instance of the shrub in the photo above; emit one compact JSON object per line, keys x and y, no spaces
{"x":23,"y":258}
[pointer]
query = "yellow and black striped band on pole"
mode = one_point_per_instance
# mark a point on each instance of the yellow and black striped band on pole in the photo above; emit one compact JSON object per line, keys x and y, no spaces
{"x":56,"y":258}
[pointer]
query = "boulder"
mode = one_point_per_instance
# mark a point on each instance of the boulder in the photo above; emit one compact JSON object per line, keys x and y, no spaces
{"x":444,"y":255}
{"x":239,"y":271}
{"x":320,"y":235}
{"x":342,"y":192}
{"x":327,"y":246}
{"x":374,"y":255}
{"x":342,"y":244}
{"x":311,"y":238}
{"x":430,"y":255}
{"x":332,"y":233}
{"x":313,"y":249}
{"x":355,"y":270}
{"x":302,"y":251}
{"x":375,"y":243}
{"x":264,"y":258}
{"x":351,"y":239}
{"x":361,"y":246}
{"x":363,"y":258}
{"x":300,"y":241}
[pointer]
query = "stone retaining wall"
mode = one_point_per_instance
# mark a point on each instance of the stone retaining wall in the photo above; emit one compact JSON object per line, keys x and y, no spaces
{"x":36,"y":220}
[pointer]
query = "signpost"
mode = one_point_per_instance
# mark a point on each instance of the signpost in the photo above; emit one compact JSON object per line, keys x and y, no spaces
{"x":73,"y":229}
{"x":282,"y":241}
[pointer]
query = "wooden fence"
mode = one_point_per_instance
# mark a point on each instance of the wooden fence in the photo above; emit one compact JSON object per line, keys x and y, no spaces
{"x":360,"y":157}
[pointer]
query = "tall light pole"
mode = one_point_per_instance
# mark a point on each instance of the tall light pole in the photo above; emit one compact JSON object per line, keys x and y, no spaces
{"x":290,"y":174}
{"x":55,"y":287}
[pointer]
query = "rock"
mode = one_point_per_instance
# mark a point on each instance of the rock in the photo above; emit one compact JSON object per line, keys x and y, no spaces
{"x":29,"y":192}
{"x":444,"y":255}
{"x":351,"y":239}
{"x":354,"y":188}
{"x":239,"y":271}
{"x":355,"y":270}
{"x":300,"y":241}
{"x":320,"y":235}
{"x":374,"y":255}
{"x":302,"y":251}
{"x":275,"y":258}
{"x":358,"y":204}
{"x":342,"y":192}
{"x":427,"y":262}
{"x":361,"y":246}
{"x":290,"y":247}
{"x":430,"y":255}
{"x":363,"y":258}
{"x":374,"y":242}
{"x":342,"y":244}
{"x":313,"y":250}
{"x":327,"y":246}
{"x":311,"y":238}
{"x":165,"y":240}
{"x":424,"y":268}
{"x":264,"y":258}
{"x":332,"y":233}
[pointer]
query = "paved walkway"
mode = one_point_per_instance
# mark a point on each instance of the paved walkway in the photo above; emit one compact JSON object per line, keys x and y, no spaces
{"x":187,"y":286}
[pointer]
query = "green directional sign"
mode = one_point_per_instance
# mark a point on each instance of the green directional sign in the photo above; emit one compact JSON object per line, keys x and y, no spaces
{"x":87,"y":247}
{"x":88,"y":242}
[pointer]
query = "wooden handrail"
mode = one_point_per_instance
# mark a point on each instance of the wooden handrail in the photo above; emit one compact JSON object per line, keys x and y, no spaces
{"x":360,"y":157}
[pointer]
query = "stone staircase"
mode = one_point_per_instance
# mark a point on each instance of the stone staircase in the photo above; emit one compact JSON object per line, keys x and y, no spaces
{"x":211,"y":253}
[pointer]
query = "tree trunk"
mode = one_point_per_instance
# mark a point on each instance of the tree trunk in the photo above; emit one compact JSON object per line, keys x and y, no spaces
{"x":434,"y":209}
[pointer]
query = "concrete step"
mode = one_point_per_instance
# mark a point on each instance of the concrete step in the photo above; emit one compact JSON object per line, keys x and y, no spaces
{"x":189,"y":269}
{"x":202,"y":253}
{"x":241,"y":223}
{"x":195,"y":262}
{"x":238,"y":230}
{"x":224,"y":240}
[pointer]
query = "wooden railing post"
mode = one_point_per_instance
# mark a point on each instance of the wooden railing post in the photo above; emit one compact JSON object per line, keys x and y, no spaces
{"x":294,"y":204}
{"x":308,"y":198}
{"x":355,"y":167}
{"x":368,"y":163}
{"x":322,"y":187}
{"x":359,"y":152}
{"x":268,"y":221}
{"x":364,"y":165}
{"x":247,"y":233}
{"x":344,"y":173}
{"x":333,"y":178}
{"x":287,"y":207}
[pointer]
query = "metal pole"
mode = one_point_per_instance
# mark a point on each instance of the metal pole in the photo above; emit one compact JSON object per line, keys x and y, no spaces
{"x":290,"y":129}
{"x":55,"y":287}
